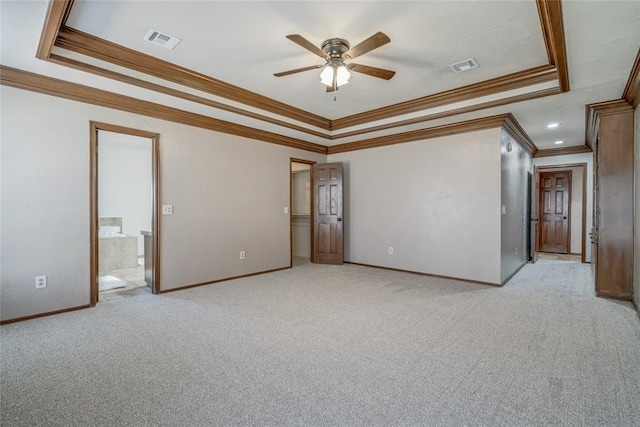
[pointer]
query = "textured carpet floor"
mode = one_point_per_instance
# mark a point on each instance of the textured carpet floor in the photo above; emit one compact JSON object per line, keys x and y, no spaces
{"x":333,"y":345}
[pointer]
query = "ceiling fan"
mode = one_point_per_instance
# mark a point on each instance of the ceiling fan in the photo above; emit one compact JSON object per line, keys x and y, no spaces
{"x":337,"y":54}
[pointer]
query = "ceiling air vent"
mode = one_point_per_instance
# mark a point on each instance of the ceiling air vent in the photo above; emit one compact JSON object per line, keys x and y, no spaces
{"x":466,"y":65}
{"x":161,"y":39}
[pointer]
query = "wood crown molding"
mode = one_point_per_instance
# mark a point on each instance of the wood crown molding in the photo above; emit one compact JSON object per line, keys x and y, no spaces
{"x":47,"y":85}
{"x":103,"y":50}
{"x":89,"y":95}
{"x":563,"y":151}
{"x":55,"y":32}
{"x":57,"y":14}
{"x":595,"y":111}
{"x":72,"y":63}
{"x":417,"y":135}
{"x":76,"y":92}
{"x":631,"y":91}
{"x":536,"y":75}
{"x":450,"y":113}
{"x":550,"y":12}
{"x":513,"y":128}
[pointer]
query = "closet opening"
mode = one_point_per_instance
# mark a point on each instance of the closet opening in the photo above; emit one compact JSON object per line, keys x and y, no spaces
{"x":301,"y":205}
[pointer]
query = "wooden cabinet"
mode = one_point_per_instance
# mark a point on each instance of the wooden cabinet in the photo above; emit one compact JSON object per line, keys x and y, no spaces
{"x":610,"y":131}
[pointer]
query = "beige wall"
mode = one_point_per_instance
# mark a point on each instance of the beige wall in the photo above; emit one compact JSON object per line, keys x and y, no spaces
{"x":515,"y":166}
{"x":228,"y":195}
{"x":436,"y":202}
{"x":575,"y":223}
{"x":636,"y":271}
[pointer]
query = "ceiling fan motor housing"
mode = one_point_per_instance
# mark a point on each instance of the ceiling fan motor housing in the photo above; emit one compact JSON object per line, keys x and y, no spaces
{"x":335,"y":48}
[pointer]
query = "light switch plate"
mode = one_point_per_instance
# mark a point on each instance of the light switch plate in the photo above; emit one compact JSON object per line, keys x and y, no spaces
{"x":286,"y":210}
{"x":167,"y":209}
{"x":504,"y":210}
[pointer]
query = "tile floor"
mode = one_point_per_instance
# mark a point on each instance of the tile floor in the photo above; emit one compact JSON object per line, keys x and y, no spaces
{"x":135,"y":284}
{"x":560,"y":257}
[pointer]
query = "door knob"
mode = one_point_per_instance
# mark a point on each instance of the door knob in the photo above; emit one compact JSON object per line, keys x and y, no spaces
{"x":339,"y":219}
{"x":564,"y":217}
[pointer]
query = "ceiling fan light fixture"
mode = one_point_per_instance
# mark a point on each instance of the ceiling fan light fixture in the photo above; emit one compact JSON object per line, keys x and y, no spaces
{"x":335,"y":69}
{"x":335,"y":72}
{"x":326,"y":76}
{"x":342,"y":75}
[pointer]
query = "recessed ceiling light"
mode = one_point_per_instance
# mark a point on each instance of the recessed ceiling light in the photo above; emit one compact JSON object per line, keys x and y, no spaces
{"x":553,"y":125}
{"x":559,"y":142}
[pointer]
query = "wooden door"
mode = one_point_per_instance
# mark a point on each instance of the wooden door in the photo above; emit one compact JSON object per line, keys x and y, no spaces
{"x":533,"y":235}
{"x":595,"y":215}
{"x":554,"y":211}
{"x":327,"y":214}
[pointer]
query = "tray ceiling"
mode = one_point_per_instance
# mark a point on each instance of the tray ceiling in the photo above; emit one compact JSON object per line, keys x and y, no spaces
{"x":230,"y":50}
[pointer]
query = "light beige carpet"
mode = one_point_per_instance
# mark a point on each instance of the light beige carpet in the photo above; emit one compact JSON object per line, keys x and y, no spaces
{"x":333,"y":345}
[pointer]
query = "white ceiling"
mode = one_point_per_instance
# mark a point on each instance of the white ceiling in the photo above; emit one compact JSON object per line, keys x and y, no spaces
{"x":243,"y":43}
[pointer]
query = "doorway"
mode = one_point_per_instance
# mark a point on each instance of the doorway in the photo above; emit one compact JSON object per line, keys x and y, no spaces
{"x":301,"y":204}
{"x":555,"y":211}
{"x":124,"y":212}
{"x":560,"y":203}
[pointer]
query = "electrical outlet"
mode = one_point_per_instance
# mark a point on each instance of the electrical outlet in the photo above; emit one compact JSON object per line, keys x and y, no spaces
{"x":243,"y":254}
{"x":390,"y":250}
{"x":41,"y":282}
{"x":167,"y":209}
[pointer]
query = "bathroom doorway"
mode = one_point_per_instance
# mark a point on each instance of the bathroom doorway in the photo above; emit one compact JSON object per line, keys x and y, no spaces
{"x":301,"y":202}
{"x":124,"y":174}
